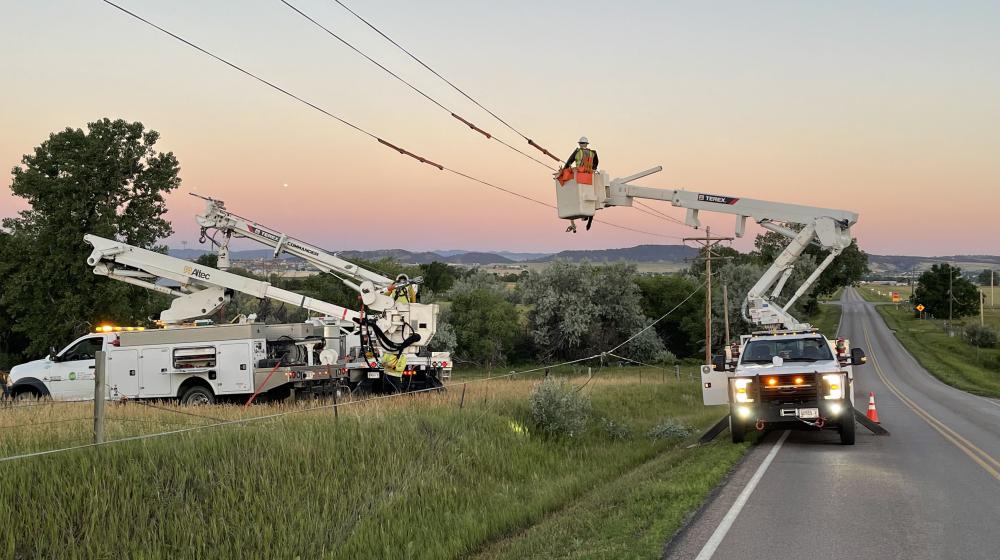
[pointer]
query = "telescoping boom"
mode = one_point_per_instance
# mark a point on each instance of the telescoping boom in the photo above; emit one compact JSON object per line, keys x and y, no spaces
{"x":825,"y":227}
{"x":202,"y":290}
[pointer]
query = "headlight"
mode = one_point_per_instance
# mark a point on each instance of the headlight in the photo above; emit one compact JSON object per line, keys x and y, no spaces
{"x":835,"y":386}
{"x":740,"y":386}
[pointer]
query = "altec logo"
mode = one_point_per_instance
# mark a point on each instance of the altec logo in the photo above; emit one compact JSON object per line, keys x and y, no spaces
{"x":197,"y":273}
{"x":717,"y":199}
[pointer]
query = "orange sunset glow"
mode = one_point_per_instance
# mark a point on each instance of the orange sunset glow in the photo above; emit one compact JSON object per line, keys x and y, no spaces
{"x":888,"y":110}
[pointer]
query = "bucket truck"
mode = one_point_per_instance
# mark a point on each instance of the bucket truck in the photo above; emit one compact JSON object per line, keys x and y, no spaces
{"x":393,"y":302}
{"x":786,"y":374}
{"x":198,"y":363}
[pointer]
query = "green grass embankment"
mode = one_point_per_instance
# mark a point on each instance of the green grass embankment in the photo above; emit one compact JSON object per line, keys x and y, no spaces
{"x":413,"y":477}
{"x":949,"y":358}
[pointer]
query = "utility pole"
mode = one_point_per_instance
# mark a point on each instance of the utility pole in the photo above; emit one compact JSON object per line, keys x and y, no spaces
{"x":708,"y":242}
{"x":951,"y":295}
{"x":725,"y":310}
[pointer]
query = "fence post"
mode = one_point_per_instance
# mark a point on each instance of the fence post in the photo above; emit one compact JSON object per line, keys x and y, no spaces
{"x":336,"y":412}
{"x":461,"y":403}
{"x":677,"y":371}
{"x":99,"y":396}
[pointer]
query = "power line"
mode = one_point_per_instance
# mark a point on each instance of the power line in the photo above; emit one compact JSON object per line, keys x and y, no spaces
{"x":531,"y":142}
{"x":654,"y":213}
{"x":411,"y":86}
{"x":348,"y":123}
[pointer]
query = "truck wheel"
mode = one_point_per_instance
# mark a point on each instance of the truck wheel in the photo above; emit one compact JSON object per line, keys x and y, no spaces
{"x":26,"y":396}
{"x":196,"y":395}
{"x":847,"y":428}
{"x":737,"y":429}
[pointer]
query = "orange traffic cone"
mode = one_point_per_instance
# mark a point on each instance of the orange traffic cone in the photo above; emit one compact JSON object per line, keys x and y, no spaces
{"x":872,"y":413}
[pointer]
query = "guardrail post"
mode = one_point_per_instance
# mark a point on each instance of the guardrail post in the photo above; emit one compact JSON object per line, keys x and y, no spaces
{"x":99,"y":396}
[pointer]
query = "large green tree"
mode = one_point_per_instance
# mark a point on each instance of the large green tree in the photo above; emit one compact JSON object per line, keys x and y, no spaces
{"x":943,"y":291}
{"x":578,"y":310}
{"x":683,"y":330}
{"x":108,"y":180}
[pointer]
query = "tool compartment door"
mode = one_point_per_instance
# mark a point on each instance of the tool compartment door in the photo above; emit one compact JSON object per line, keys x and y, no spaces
{"x":714,"y":386}
{"x":234,"y":372}
{"x":122,"y":374}
{"x":154,"y":376}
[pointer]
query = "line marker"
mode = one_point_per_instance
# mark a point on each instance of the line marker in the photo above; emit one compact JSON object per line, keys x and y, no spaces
{"x":727,"y":522}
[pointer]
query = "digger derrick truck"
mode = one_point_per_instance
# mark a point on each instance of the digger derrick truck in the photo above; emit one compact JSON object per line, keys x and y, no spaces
{"x":382,"y":297}
{"x":786,"y":374}
{"x":342,"y":348}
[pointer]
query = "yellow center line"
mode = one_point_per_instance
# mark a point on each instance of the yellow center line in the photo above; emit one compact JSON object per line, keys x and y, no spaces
{"x":982,"y":458}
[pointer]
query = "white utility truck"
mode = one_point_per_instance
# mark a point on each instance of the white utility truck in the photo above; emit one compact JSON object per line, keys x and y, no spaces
{"x":787,"y":374}
{"x":379,"y":293}
{"x":199,"y":363}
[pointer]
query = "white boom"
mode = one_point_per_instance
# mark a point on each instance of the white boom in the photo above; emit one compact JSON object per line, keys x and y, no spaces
{"x":203,"y":290}
{"x":828,"y":228}
{"x":371,"y":285}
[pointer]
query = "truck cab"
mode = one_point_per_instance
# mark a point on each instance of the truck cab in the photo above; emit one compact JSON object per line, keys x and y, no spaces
{"x":786,"y":380}
{"x":64,"y":375}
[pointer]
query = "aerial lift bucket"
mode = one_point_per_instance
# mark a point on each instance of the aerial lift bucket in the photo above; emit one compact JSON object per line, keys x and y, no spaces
{"x":580,"y":194}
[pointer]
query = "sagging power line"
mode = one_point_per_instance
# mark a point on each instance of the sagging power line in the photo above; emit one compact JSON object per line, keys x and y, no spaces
{"x":350,"y":124}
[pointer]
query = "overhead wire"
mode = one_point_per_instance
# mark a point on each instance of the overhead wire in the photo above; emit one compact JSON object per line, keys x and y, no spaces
{"x":652,"y":212}
{"x":351,"y":124}
{"x":409,"y":84}
{"x":531,"y":142}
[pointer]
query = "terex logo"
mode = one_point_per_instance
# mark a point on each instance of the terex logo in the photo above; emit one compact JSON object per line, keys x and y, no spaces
{"x":197,"y":273}
{"x":717,"y":199}
{"x":263,"y":233}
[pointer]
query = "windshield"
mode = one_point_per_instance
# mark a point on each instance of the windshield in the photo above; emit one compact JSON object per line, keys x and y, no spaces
{"x":790,"y":350}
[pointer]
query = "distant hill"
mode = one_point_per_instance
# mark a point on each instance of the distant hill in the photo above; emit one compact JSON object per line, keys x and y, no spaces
{"x":639,"y":253}
{"x":889,"y":264}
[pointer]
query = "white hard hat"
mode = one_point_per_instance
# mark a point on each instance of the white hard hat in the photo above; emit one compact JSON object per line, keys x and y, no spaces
{"x":583,"y":140}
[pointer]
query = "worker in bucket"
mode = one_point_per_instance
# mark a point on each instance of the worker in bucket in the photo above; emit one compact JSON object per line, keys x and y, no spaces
{"x":583,"y":158}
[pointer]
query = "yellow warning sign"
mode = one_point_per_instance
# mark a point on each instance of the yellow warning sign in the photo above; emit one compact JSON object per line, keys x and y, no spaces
{"x":920,"y":307}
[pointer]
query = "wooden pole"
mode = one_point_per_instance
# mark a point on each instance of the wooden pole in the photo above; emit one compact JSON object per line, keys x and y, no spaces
{"x":725,"y":310}
{"x":99,"y":396}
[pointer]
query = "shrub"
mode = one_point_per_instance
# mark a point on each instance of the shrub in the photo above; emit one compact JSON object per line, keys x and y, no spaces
{"x":666,"y":357}
{"x":669,"y":429}
{"x":558,"y":409}
{"x":614,"y":430}
{"x":983,"y":337}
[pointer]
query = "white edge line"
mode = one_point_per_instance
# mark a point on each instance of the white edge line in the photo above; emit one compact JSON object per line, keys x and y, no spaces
{"x":727,"y":522}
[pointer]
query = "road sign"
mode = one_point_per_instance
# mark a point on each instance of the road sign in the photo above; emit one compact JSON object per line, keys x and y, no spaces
{"x":895,"y":297}
{"x":920,"y":307}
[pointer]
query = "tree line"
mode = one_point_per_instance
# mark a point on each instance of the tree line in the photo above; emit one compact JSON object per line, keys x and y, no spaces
{"x":110,"y":180}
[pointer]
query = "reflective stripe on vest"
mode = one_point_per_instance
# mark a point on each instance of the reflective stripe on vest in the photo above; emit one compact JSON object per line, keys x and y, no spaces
{"x":585,"y":158}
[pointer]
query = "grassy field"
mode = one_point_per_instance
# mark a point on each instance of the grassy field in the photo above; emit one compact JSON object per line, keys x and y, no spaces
{"x":410,"y":477}
{"x":949,"y":358}
{"x":827,"y":319}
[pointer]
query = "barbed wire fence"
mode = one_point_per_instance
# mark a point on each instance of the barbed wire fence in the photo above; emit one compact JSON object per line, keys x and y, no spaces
{"x":335,"y":406}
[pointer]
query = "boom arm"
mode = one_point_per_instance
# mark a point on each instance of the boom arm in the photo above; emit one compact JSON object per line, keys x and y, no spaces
{"x":371,"y":285}
{"x":828,"y":228}
{"x":204,"y":290}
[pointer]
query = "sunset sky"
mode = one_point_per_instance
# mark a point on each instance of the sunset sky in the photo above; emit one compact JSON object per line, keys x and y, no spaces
{"x":889,"y":109}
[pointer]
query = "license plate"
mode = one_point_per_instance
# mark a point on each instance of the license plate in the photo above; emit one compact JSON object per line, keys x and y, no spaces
{"x":372,"y":375}
{"x":808,"y":413}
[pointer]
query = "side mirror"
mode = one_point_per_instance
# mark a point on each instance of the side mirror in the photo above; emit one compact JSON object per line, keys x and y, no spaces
{"x":858,"y":357}
{"x":719,"y":362}
{"x":52,"y":354}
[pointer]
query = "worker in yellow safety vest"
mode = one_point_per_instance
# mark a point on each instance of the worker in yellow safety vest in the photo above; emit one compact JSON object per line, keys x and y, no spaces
{"x":583,"y":158}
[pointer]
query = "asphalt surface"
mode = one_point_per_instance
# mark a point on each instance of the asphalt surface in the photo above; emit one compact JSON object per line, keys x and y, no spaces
{"x":930,"y":490}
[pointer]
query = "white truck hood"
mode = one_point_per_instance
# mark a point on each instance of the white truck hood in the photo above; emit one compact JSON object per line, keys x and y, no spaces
{"x":34,"y":368}
{"x":825,"y":366}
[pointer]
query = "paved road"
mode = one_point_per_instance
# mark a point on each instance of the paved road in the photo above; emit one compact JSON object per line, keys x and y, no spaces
{"x":930,"y":490}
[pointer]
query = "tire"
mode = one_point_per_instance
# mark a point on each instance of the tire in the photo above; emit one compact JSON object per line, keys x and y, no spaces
{"x":737,"y":429}
{"x":27,"y":395}
{"x":197,"y":395}
{"x":847,"y":427}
